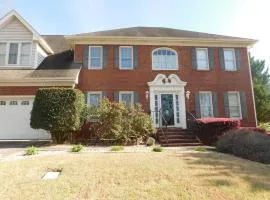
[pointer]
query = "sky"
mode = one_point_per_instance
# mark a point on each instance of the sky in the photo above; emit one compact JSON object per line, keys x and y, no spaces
{"x":242,"y":18}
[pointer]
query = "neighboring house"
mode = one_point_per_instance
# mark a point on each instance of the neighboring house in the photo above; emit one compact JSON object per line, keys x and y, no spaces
{"x":157,"y":67}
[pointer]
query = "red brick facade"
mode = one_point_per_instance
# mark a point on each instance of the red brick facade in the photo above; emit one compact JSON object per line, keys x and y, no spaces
{"x":217,"y":80}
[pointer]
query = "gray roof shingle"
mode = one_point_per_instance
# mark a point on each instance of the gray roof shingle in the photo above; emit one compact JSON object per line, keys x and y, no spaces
{"x":58,"y":43}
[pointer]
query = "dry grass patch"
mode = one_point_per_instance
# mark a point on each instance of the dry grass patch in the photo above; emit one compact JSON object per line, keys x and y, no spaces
{"x":136,"y":176}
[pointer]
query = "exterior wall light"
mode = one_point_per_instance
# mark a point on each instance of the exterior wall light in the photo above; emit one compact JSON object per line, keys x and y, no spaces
{"x":146,"y":95}
{"x":187,"y":95}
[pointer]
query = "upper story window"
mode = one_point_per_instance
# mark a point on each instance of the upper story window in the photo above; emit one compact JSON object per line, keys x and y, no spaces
{"x":126,"y":57}
{"x":15,"y":53}
{"x":229,"y":59}
{"x":206,"y":104}
{"x":95,"y":57}
{"x":234,"y":105}
{"x":202,"y":59}
{"x":164,"y":59}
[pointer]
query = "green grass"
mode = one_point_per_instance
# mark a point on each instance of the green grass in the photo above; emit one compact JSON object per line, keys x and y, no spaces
{"x":77,"y":148}
{"x":201,"y":149}
{"x":117,"y":148}
{"x":157,"y":149}
{"x":31,"y":151}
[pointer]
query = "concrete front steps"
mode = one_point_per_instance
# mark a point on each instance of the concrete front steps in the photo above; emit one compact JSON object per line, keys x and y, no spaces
{"x":177,"y":137}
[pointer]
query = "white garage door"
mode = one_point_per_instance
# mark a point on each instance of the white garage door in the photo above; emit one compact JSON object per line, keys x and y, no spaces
{"x":15,"y":120}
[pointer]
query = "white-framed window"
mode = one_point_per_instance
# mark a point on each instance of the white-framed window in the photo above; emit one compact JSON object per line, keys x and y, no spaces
{"x":126,"y":97}
{"x":126,"y":57}
{"x":229,"y":59}
{"x":15,"y":53}
{"x":234,"y":105}
{"x":94,"y":98}
{"x":206,"y":104}
{"x":2,"y":103}
{"x":95,"y":57}
{"x":25,"y":103}
{"x":202,"y":58}
{"x":13,"y":103}
{"x":164,"y":59}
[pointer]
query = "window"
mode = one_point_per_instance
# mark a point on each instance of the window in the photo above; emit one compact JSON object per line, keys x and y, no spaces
{"x":13,"y":103}
{"x":94,"y":98}
{"x":202,"y":59}
{"x":234,"y":105}
{"x":164,"y":59}
{"x":126,"y":97}
{"x":2,"y":103}
{"x":3,"y":49}
{"x":126,"y":57}
{"x":24,"y":103}
{"x":13,"y":53}
{"x":25,"y":54}
{"x":229,"y":60}
{"x":206,"y":105}
{"x":95,"y":57}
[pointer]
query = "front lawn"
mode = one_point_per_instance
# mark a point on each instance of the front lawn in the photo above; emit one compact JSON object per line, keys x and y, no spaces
{"x":165,"y":175}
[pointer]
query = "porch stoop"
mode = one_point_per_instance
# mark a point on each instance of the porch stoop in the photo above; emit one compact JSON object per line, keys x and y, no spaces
{"x":177,"y":137}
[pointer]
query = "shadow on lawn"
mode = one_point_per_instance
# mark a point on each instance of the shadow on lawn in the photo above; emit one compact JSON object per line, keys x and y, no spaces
{"x":220,"y":168}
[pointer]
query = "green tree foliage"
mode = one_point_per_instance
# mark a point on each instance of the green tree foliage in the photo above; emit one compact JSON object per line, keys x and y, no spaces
{"x":60,"y":111}
{"x":261,"y":81}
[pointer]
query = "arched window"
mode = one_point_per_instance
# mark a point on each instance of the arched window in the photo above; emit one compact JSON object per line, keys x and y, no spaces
{"x":164,"y":59}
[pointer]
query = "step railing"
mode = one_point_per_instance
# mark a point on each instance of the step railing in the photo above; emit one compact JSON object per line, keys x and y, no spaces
{"x":162,"y":128}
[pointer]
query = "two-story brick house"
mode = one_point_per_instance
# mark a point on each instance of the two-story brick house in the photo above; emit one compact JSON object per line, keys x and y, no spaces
{"x":167,"y":70}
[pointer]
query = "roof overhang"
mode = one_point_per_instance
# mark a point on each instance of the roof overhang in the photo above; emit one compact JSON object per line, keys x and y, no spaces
{"x":168,"y":41}
{"x":36,"y":36}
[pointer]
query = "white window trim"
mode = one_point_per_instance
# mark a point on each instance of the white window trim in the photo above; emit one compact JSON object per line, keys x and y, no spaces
{"x":234,"y":59}
{"x":19,"y":53}
{"x":239,"y":103}
{"x":126,"y":92}
{"x":120,"y":58}
{"x":93,"y":92}
{"x":89,"y":58}
{"x":162,"y":69}
{"x":211,"y":99}
{"x":207,"y":57}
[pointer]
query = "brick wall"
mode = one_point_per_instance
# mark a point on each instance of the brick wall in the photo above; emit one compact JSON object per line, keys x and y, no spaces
{"x":113,"y":79}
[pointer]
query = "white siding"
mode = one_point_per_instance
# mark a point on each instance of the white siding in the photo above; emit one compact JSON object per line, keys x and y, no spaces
{"x":41,"y":55}
{"x":15,"y":30}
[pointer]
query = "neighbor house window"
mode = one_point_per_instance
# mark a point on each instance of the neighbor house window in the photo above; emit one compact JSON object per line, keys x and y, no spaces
{"x":229,"y":60}
{"x":2,"y":103}
{"x":3,"y":50}
{"x":164,"y":59}
{"x":126,"y":57}
{"x":202,"y":59}
{"x":24,"y":103}
{"x":126,"y":97}
{"x":25,"y":53}
{"x":13,"y":103}
{"x":94,"y":98}
{"x":95,"y":57}
{"x":234,"y":105}
{"x":13,"y":53}
{"x":206,"y":104}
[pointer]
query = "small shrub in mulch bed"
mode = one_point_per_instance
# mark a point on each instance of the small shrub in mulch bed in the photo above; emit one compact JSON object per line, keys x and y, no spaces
{"x":247,"y":144}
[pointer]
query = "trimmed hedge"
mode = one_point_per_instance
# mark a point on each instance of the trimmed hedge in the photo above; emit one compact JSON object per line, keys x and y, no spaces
{"x":60,"y":111}
{"x":208,"y":130}
{"x":247,"y":144}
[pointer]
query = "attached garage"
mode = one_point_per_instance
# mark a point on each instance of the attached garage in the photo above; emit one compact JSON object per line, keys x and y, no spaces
{"x":15,"y":120}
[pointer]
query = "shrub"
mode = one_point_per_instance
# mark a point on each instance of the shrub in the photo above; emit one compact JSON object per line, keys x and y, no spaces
{"x":157,"y":149}
{"x":77,"y":148}
{"x":208,"y":130}
{"x":117,"y":148}
{"x":31,"y":151}
{"x":60,"y":111}
{"x":150,"y":141}
{"x":119,"y":123}
{"x":246,"y":144}
{"x":201,"y":149}
{"x":265,"y":126}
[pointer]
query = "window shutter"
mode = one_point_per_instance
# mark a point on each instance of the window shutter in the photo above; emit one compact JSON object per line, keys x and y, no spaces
{"x":237,"y":58}
{"x":221,"y":58}
{"x":215,"y":104}
{"x":226,"y":105}
{"x":136,"y":97}
{"x":211,"y":57}
{"x":104,"y":95}
{"x":194,"y":58}
{"x":116,"y":96}
{"x":243,"y":105}
{"x":135,"y":57}
{"x":197,"y":105}
{"x":116,"y":57}
{"x":86,"y":97}
{"x":86,"y":57}
{"x":105,"y":57}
